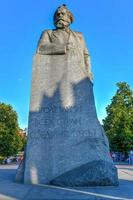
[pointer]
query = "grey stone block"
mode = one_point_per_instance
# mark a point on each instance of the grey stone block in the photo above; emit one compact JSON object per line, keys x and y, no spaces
{"x":66,"y":143}
{"x":95,"y":173}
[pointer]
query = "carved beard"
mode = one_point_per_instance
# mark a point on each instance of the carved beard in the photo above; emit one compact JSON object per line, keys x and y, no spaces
{"x":62,"y":24}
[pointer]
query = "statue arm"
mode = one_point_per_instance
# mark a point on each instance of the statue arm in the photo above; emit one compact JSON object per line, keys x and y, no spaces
{"x":46,"y":47}
{"x":87,"y":61}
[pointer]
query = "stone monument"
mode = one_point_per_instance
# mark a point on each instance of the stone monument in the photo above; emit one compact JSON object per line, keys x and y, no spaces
{"x":66,"y":144}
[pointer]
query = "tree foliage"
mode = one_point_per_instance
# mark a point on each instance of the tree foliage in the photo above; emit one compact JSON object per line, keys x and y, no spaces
{"x":10,"y":140}
{"x":118,"y":124}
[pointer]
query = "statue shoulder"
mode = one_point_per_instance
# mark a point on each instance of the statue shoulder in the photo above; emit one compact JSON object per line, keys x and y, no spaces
{"x":78,"y":34}
{"x":46,"y":31}
{"x":45,"y":35}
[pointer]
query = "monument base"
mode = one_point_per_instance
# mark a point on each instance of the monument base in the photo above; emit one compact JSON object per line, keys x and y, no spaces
{"x":75,"y":158}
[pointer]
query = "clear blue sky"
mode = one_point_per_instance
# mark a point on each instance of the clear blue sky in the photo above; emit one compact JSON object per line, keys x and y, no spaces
{"x":107,"y":26}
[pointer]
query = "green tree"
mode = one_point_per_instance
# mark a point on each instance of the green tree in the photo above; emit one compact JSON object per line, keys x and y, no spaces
{"x":118,"y":124}
{"x":10,"y":140}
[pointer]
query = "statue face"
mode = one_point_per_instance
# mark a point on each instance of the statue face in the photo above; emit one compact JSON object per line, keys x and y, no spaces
{"x":62,"y":18}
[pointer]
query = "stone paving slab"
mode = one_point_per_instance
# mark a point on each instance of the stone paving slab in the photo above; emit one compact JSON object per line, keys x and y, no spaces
{"x":9,"y":190}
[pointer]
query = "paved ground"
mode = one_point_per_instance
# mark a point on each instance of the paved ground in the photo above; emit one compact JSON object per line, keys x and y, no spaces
{"x":9,"y":190}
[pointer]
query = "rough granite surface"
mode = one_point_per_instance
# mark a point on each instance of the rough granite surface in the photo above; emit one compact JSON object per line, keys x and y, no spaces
{"x":66,"y":143}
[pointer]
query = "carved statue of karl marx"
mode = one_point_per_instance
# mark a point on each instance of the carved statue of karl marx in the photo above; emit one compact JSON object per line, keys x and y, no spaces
{"x":63,"y":40}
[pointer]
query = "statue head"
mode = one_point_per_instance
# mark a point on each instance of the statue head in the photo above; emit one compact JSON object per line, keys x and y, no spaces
{"x":63,"y":17}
